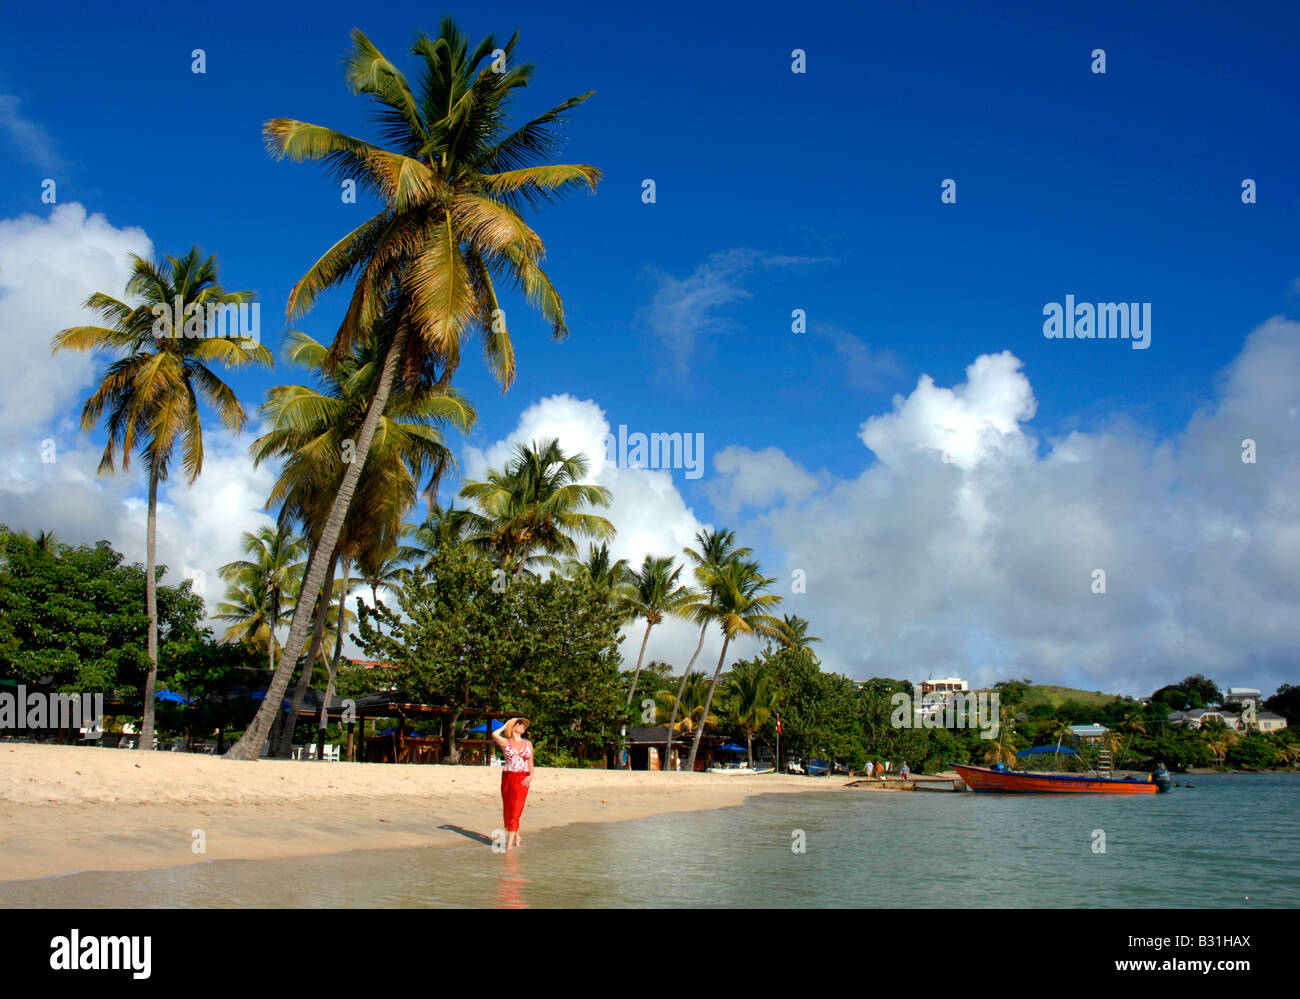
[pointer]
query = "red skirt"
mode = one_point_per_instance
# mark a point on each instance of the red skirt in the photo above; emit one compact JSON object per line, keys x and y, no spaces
{"x":513,"y":793}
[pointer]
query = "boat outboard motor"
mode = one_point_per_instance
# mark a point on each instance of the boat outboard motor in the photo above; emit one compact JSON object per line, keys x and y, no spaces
{"x":1161,"y":776}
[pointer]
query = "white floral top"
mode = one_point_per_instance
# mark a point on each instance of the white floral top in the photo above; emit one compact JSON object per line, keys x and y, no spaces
{"x":517,"y":760}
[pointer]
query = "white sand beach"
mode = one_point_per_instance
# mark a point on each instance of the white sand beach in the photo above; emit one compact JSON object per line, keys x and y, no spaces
{"x":71,"y":808}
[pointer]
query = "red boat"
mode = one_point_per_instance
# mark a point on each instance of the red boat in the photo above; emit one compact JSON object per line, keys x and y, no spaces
{"x":1003,"y":781}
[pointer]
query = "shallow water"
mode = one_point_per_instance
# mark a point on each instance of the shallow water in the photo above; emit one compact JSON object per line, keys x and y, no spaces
{"x":1231,"y":841}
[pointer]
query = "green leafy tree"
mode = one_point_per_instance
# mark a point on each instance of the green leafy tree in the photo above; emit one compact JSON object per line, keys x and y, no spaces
{"x":75,"y":616}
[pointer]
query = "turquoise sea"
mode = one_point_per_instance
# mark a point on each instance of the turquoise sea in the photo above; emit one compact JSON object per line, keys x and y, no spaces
{"x":1230,"y":842}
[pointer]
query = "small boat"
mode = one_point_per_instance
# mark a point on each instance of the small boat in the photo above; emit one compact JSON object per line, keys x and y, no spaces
{"x":818,"y":768}
{"x":735,"y":769}
{"x":1000,"y":780}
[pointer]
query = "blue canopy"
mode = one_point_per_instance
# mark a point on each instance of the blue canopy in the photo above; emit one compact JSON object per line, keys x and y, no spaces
{"x":731,"y":747}
{"x":482,"y":726}
{"x":1046,"y":749}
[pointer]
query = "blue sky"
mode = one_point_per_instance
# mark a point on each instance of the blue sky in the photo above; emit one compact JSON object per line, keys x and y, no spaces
{"x":775,"y":191}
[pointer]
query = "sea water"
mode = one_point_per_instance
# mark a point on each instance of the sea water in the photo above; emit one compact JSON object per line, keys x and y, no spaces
{"x":1231,"y":841}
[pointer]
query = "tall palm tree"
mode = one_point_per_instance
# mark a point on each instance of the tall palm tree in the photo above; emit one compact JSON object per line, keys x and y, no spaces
{"x":739,"y":607}
{"x":274,"y":570}
{"x":607,"y":578}
{"x":715,"y":549}
{"x":684,"y":711}
{"x":1134,"y":724}
{"x":442,"y":526}
{"x":752,"y":702}
{"x":149,"y":396}
{"x":531,"y":509}
{"x":453,"y":184}
{"x":308,"y":430}
{"x":655,"y":594}
{"x":792,"y":633}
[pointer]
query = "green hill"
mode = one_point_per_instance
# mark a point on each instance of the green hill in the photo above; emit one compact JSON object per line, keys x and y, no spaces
{"x":1056,"y":696}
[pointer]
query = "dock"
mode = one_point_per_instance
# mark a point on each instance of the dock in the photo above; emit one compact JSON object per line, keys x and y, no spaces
{"x":937,"y":782}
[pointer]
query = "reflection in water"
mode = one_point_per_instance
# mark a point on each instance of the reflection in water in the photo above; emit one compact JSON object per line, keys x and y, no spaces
{"x":510,"y":884}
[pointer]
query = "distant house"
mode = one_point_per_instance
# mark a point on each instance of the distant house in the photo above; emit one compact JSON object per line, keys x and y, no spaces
{"x":1240,"y":695}
{"x":645,"y":746}
{"x":1089,"y":734}
{"x":1199,"y":716}
{"x":944,"y":685}
{"x":1269,"y":722}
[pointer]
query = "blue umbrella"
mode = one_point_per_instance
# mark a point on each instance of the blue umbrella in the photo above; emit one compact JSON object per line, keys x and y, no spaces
{"x":482,"y":726}
{"x":731,"y":747}
{"x":1039,"y":750}
{"x":171,"y":698}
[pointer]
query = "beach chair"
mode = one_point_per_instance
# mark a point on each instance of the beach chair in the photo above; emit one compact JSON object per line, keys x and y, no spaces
{"x":331,"y":753}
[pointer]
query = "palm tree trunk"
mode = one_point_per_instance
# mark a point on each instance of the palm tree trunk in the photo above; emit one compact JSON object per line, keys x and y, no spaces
{"x":151,"y":609}
{"x":247,"y":747}
{"x":708,"y":703}
{"x":635,"y":677}
{"x":285,"y":749}
{"x":681,"y":689}
{"x":334,"y":665}
{"x":749,"y":742}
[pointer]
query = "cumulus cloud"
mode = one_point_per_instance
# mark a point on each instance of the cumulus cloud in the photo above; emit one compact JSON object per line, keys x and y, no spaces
{"x":962,"y":549}
{"x":48,"y":267}
{"x":648,"y":511}
{"x":756,"y":479}
{"x":48,"y":480}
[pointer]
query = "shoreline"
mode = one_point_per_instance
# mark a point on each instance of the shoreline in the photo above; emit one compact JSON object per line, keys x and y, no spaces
{"x":75,"y":809}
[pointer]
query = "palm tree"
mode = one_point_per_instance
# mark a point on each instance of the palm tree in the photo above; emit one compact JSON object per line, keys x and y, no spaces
{"x":453,"y":185}
{"x":442,"y":526}
{"x":309,"y":428}
{"x":532,"y":508}
{"x":1134,"y":723}
{"x":382,"y":567}
{"x":685,"y":710}
{"x":274,"y":572}
{"x":716,"y":549}
{"x":740,"y":608}
{"x":656,"y":594}
{"x":149,"y":396}
{"x":752,"y":702}
{"x":792,"y":633}
{"x":608,"y":579}
{"x":1058,"y":730}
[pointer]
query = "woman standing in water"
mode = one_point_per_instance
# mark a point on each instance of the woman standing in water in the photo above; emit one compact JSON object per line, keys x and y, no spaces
{"x":516,"y":775}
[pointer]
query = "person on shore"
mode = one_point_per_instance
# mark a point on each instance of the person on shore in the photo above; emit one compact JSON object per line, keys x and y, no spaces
{"x":516,"y":775}
{"x":905,"y":772}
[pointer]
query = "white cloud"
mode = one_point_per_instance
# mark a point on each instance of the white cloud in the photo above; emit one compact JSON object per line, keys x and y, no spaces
{"x":756,"y":479}
{"x":648,"y":511}
{"x":48,"y":267}
{"x":48,"y":480}
{"x":983,"y":563}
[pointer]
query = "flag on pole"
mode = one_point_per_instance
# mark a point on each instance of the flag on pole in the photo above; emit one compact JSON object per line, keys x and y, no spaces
{"x":778,"y":724}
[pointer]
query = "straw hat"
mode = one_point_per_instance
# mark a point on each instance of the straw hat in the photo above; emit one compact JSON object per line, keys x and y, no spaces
{"x":508,"y":729}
